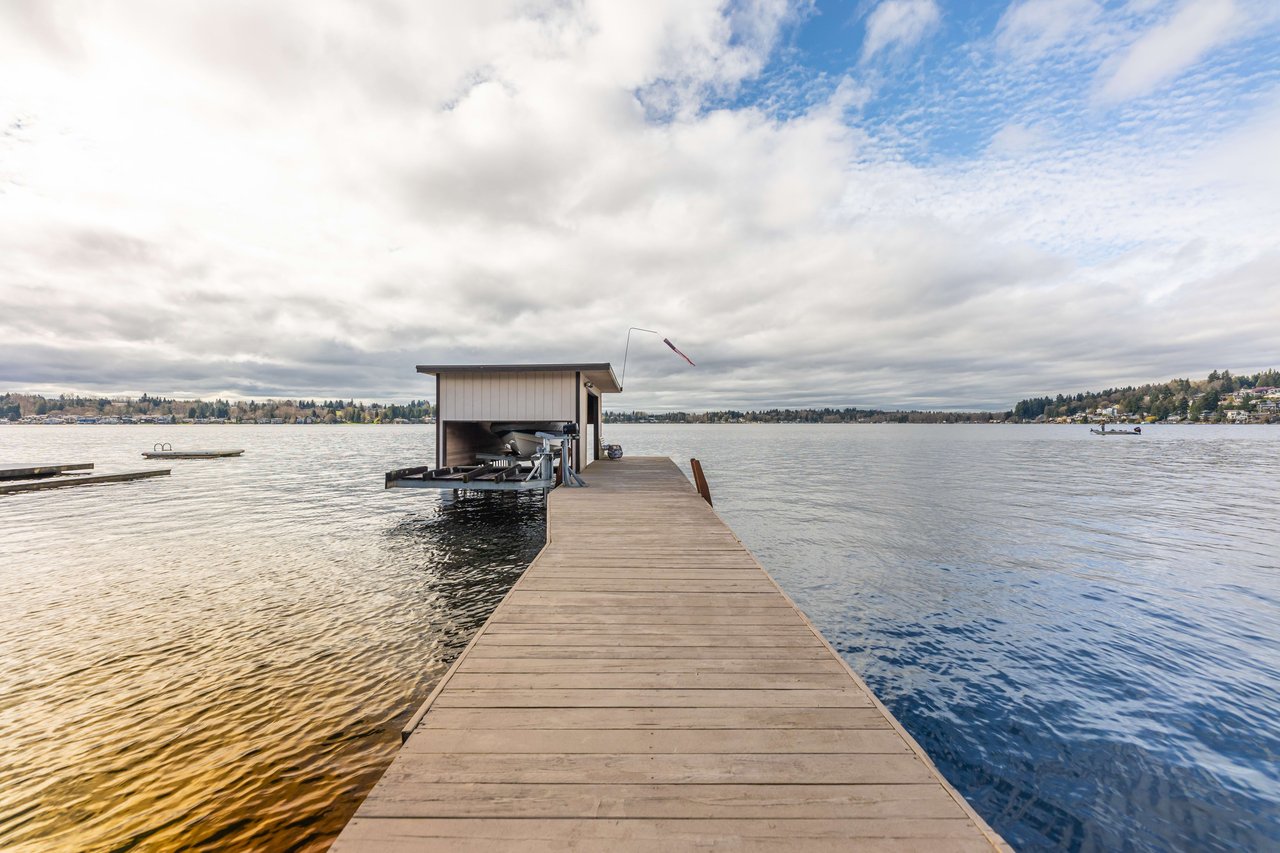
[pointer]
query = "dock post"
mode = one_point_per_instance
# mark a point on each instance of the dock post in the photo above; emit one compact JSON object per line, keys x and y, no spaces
{"x":700,"y":480}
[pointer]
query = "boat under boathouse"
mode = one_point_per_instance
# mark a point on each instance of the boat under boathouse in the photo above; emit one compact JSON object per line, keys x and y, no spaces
{"x":512,"y":427}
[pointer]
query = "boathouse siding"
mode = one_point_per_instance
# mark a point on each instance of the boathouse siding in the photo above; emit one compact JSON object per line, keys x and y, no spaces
{"x":471,"y":398}
{"x":534,"y":396}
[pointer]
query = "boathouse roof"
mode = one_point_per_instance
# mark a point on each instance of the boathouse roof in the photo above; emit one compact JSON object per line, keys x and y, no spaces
{"x":599,"y":374}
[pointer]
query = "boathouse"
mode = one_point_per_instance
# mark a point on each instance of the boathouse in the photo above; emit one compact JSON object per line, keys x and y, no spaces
{"x":496,"y":424}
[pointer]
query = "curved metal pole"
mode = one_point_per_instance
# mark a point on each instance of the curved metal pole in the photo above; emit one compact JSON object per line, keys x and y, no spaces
{"x":628,"y":351}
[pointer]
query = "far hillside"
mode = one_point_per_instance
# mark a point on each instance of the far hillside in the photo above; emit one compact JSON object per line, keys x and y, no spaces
{"x":1219,"y":398}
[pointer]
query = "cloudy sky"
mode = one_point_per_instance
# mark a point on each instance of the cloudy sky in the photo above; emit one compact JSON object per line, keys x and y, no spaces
{"x":918,"y":203}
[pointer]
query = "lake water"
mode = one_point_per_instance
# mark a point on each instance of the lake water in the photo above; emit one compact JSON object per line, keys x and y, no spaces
{"x":1084,"y":633}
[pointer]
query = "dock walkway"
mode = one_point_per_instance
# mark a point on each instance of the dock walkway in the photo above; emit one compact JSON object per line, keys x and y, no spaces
{"x":646,"y":685}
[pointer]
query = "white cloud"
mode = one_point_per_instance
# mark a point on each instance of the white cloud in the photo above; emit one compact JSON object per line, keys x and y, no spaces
{"x":298,"y":198}
{"x":1016,"y":138}
{"x":1244,"y":164}
{"x":898,"y":24}
{"x":1168,"y":49}
{"x":1031,"y":28}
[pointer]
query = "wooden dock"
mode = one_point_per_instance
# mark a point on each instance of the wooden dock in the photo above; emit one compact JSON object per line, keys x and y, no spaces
{"x":67,"y":477}
{"x":30,"y":471}
{"x":191,"y":454}
{"x":647,"y":686}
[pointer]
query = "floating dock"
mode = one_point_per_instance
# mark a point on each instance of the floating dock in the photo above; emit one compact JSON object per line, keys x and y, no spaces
{"x":191,"y":454}
{"x":645,"y":685}
{"x":28,"y":471}
{"x":62,"y":480}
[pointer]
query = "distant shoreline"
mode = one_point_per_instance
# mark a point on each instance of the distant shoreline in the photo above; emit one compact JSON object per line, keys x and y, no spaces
{"x":6,"y":423}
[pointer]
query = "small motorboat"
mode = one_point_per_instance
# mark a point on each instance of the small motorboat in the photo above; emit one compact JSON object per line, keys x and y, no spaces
{"x":1104,"y":431}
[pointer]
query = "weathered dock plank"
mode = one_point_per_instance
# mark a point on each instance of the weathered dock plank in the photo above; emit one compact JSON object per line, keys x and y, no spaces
{"x":666,"y":741}
{"x":486,"y":650}
{"x":677,"y":636}
{"x":647,"y":686}
{"x":656,"y":718}
{"x":648,"y":681}
{"x":458,"y":835}
{"x":61,"y":482}
{"x":642,"y":616}
{"x":630,"y":768}
{"x":25,"y":471}
{"x":666,"y":665}
{"x":666,"y":801}
{"x":608,"y":697}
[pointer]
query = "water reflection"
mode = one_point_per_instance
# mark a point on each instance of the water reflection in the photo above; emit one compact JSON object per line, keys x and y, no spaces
{"x":464,"y":556}
{"x":224,"y":661}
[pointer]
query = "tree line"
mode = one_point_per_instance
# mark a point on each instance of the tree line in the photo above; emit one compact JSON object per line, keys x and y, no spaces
{"x":848,"y":415}
{"x":16,"y":406}
{"x":1184,"y":398}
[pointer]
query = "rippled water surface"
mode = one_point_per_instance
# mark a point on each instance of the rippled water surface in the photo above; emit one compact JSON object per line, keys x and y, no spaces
{"x":223,"y":658}
{"x":1082,"y":632}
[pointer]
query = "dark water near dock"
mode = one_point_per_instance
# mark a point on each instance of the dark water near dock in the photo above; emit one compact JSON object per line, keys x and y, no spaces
{"x":1083,"y":632}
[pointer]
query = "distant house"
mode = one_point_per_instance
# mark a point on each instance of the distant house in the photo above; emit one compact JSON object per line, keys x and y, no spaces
{"x":1237,"y":416}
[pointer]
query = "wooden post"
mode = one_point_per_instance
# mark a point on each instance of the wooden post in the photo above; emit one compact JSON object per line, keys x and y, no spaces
{"x":700,"y":480}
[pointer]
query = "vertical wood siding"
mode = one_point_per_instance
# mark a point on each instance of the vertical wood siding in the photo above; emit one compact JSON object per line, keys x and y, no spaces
{"x":541,"y":396}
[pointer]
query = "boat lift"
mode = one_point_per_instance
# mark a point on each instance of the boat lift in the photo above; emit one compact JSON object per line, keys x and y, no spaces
{"x":548,"y":466}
